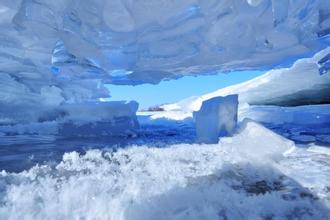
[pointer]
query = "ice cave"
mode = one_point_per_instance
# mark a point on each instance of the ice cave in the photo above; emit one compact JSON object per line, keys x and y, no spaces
{"x":257,"y":148}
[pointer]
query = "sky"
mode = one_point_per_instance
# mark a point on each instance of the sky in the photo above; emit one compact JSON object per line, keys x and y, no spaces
{"x":174,"y":90}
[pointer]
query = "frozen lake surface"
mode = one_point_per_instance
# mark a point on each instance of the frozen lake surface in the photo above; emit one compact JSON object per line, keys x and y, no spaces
{"x":21,"y":152}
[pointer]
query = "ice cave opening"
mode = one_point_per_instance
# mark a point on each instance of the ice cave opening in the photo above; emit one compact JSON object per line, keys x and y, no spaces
{"x":256,"y":147}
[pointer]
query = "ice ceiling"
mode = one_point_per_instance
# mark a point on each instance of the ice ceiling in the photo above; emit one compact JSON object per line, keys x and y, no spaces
{"x":65,"y":50}
{"x":136,"y":41}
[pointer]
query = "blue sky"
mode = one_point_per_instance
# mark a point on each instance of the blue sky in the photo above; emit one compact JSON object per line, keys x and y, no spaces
{"x":174,"y":90}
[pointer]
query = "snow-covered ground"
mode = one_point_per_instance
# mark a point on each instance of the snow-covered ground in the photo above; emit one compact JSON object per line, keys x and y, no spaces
{"x":163,"y":174}
{"x":256,"y":174}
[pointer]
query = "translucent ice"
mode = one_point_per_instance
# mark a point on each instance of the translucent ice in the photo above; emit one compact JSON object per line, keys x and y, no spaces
{"x":99,"y":119}
{"x":154,"y":40}
{"x":79,"y":119}
{"x":300,"y":84}
{"x":217,"y":117}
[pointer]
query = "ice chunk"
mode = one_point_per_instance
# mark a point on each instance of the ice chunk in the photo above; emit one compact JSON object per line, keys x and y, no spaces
{"x":217,"y":117}
{"x":100,"y":119}
{"x":87,"y":119}
{"x":254,"y":141}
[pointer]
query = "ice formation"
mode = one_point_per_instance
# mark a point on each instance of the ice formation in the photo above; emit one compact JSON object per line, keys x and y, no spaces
{"x":216,"y":118}
{"x":298,"y":85}
{"x":58,"y":53}
{"x":146,"y":41}
{"x":87,"y":119}
{"x":276,"y":148}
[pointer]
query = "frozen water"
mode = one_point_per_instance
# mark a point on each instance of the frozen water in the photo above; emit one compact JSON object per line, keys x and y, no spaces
{"x":300,"y":84}
{"x":86,"y":119}
{"x":217,"y":117}
{"x":275,"y":148}
{"x":153,"y":40}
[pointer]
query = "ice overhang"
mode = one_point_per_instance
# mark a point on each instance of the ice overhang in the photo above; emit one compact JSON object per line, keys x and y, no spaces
{"x":145,"y":41}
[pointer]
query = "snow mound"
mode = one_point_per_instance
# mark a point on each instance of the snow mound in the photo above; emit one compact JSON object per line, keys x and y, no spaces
{"x":217,"y":117}
{"x":178,"y":182}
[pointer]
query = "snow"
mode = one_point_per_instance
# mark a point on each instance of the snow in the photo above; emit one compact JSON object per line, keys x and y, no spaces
{"x":217,"y":117}
{"x":251,"y":175}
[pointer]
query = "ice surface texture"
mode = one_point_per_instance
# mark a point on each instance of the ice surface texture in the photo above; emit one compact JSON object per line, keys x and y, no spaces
{"x":131,"y":42}
{"x":216,"y":118}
